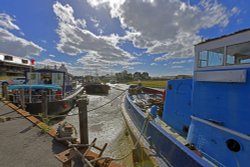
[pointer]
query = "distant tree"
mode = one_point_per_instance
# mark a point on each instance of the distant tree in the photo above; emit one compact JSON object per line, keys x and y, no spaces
{"x":145,"y":75}
{"x":137,"y":76}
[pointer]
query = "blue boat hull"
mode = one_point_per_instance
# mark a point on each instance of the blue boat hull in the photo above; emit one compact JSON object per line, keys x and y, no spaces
{"x":171,"y":151}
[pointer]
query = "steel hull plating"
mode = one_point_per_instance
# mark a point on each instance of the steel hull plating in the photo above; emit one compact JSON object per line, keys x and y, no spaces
{"x":167,"y":147}
{"x":54,"y":108}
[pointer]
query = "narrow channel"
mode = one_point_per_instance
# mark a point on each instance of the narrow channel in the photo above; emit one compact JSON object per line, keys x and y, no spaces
{"x":107,"y":125}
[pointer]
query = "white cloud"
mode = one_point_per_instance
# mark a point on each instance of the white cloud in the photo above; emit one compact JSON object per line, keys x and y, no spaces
{"x":128,"y":67}
{"x":43,"y":41}
{"x":75,"y":39}
{"x":168,"y":27}
{"x":183,"y":61}
{"x":7,"y":22}
{"x":50,"y":55}
{"x":75,"y":70}
{"x":11,"y":44}
{"x":177,"y":67}
{"x":97,"y":25}
{"x":235,"y":10}
{"x":179,"y":62}
{"x":95,"y":22}
{"x":153,"y":64}
{"x":50,"y":62}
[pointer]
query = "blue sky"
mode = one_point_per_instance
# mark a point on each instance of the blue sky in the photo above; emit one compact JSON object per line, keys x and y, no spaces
{"x":109,"y":36}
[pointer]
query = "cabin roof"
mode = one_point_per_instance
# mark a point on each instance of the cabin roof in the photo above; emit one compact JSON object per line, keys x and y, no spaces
{"x":38,"y":86}
{"x":223,"y":36}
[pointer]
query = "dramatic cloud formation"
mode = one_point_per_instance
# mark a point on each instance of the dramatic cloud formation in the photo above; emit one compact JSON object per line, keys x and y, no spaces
{"x":76,"y":70}
{"x":11,"y":44}
{"x":183,"y":61}
{"x":168,"y":27}
{"x":75,"y":39}
{"x":7,"y":22}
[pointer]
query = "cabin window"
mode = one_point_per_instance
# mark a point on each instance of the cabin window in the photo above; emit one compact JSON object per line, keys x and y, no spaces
{"x":238,"y":54}
{"x":24,"y":61}
{"x":7,"y":57}
{"x":212,"y":57}
{"x":203,"y":59}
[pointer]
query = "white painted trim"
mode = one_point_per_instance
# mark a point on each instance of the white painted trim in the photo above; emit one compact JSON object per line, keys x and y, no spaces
{"x":238,"y":134}
{"x":234,"y":39}
{"x":16,"y":60}
{"x":238,"y":76}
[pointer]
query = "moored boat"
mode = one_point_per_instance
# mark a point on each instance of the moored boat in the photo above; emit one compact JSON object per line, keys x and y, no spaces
{"x":55,"y":83}
{"x":93,"y":86}
{"x":205,"y":119}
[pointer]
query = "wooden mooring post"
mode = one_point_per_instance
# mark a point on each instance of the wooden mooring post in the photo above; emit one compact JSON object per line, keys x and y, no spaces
{"x":22,"y":98}
{"x":82,"y":103}
{"x":83,"y":149}
{"x":45,"y":104}
{"x":5,"y":92}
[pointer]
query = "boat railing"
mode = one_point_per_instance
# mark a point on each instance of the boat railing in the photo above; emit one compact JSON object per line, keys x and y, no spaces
{"x":16,"y":98}
{"x":72,"y":91}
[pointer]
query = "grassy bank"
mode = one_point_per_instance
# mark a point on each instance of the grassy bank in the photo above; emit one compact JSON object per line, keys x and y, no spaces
{"x":4,"y":77}
{"x":152,"y":84}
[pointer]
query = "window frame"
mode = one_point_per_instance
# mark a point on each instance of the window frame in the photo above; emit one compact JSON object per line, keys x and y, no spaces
{"x":226,"y":47}
{"x":207,"y":58}
{"x":5,"y":57}
{"x":224,"y":65}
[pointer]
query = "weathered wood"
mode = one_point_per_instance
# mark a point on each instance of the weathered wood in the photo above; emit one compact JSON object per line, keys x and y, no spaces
{"x":5,"y":92}
{"x":22,"y":98}
{"x":82,"y":103}
{"x":45,"y":104}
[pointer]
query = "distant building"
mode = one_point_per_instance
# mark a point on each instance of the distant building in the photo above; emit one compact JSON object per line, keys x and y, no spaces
{"x":14,"y":66}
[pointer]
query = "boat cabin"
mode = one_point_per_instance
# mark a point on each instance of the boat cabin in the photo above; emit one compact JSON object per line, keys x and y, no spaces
{"x":212,"y":109}
{"x":51,"y":76}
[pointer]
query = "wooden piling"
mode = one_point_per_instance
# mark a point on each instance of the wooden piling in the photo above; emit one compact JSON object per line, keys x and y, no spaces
{"x":22,"y":99}
{"x":45,"y":104}
{"x":5,"y":92}
{"x":82,"y":103}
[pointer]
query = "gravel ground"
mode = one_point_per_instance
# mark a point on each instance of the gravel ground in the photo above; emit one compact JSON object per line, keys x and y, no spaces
{"x":23,"y":145}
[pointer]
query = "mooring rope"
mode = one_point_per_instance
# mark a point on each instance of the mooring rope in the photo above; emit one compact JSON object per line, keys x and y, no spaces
{"x":66,"y":115}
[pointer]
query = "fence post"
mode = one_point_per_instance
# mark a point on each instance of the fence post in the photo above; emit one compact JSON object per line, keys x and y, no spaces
{"x":82,"y":103}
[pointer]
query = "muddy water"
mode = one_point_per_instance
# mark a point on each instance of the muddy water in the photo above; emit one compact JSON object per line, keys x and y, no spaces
{"x":107,"y":125}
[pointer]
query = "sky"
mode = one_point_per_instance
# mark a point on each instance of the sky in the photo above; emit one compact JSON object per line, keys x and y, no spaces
{"x":109,"y":36}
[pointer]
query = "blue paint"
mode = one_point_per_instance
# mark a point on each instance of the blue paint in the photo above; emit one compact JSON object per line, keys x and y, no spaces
{"x":212,"y":143}
{"x":214,"y":114}
{"x":153,"y":111}
{"x":227,"y":103}
{"x":221,"y":103}
{"x":177,"y":105}
{"x":40,"y":86}
{"x":167,"y":147}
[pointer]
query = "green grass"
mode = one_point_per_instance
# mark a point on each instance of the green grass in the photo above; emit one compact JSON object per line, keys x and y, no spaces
{"x":152,"y":84}
{"x":4,"y":77}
